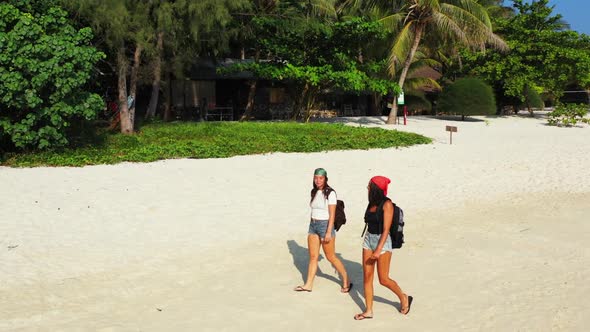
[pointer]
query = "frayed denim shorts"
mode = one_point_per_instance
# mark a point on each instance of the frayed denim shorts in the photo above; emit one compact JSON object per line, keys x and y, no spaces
{"x":319,"y":227}
{"x":372,"y":240}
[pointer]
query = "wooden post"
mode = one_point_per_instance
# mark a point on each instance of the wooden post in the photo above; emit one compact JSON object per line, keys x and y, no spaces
{"x":451,"y":130}
{"x":405,"y":115}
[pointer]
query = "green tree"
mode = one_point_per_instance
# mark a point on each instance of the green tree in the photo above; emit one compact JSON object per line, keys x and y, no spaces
{"x":121,"y":25}
{"x":464,"y":22}
{"x":266,"y":21}
{"x":183,"y":30}
{"x":249,"y":30}
{"x":313,"y":55}
{"x":542,"y":53}
{"x":468,"y":96}
{"x":45,"y":65}
{"x":496,"y":8}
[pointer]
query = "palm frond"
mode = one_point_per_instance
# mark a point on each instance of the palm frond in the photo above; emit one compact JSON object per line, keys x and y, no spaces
{"x":420,"y":83}
{"x":401,"y":47}
{"x":325,"y":8}
{"x":448,"y":26}
{"x":393,"y":22}
{"x":421,"y":63}
{"x":473,"y":8}
{"x":477,"y":32}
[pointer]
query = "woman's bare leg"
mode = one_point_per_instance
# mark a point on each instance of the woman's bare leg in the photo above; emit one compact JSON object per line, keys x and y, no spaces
{"x":383,"y":263}
{"x":368,"y":273}
{"x":313,"y":246}
{"x":330,"y":251}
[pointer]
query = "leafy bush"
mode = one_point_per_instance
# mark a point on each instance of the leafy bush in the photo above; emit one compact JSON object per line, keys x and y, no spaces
{"x":532,"y":98}
{"x":218,"y":140}
{"x":468,"y":96}
{"x":44,"y":65}
{"x":568,"y":115}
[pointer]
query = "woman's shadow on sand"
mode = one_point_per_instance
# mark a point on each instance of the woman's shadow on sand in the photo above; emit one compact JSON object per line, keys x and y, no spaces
{"x":354,"y":269}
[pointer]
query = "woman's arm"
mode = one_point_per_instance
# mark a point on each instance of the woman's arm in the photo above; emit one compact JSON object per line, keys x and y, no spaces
{"x":387,"y":220}
{"x":332,"y":212}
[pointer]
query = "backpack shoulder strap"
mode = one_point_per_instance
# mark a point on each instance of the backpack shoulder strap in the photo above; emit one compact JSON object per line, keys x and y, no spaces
{"x":328,"y":191}
{"x":395,"y":221}
{"x":380,"y":208}
{"x":380,"y":212}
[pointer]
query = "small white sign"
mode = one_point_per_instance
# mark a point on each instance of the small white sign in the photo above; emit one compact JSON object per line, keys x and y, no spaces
{"x":400,"y":99}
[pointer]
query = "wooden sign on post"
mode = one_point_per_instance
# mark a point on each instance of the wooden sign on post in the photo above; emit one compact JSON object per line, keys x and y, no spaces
{"x":451,"y":130}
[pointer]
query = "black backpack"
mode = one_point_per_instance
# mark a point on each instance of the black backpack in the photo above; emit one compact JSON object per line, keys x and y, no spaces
{"x":396,"y":232}
{"x":340,"y":217}
{"x":397,"y":227}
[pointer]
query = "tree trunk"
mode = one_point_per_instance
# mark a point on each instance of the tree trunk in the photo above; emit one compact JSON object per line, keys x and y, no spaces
{"x":251,"y":93}
{"x":151,"y":111}
{"x":311,"y":95}
{"x":376,"y":104}
{"x":126,"y":125}
{"x":168,"y":104}
{"x":133,"y":83}
{"x":360,"y":57}
{"x":250,"y":105}
{"x":393,"y":113}
{"x":300,"y":102}
{"x":404,"y":73}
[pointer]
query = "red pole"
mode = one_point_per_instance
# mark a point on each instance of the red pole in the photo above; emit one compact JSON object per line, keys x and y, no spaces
{"x":405,"y":115}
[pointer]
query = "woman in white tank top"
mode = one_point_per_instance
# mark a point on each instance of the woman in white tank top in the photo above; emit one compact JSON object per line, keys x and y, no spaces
{"x":321,"y":231}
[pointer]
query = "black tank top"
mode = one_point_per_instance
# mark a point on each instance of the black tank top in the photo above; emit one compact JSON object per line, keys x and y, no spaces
{"x":373,"y":221}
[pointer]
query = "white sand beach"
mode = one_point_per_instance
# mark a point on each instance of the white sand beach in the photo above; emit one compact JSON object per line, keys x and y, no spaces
{"x":497,"y":231}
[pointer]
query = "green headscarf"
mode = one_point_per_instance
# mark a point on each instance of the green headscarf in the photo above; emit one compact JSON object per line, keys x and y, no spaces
{"x":320,"y":171}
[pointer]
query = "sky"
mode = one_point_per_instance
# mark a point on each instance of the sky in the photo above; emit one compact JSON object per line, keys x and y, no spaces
{"x":574,"y":12}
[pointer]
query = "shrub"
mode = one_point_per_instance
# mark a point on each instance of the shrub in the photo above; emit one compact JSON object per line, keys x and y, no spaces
{"x":217,"y":140}
{"x":568,"y":115}
{"x":44,"y":66}
{"x":532,"y":98}
{"x":468,"y":96}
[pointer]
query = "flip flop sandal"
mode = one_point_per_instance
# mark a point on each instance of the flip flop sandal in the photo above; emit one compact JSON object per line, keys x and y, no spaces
{"x":361,"y":317}
{"x":301,"y":289}
{"x":410,"y":299}
{"x":346,"y":289}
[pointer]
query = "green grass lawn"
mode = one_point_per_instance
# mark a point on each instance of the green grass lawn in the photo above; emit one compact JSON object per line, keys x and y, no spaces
{"x":217,"y":140}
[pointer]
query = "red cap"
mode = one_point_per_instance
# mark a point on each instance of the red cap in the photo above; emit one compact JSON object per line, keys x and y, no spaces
{"x":381,"y":182}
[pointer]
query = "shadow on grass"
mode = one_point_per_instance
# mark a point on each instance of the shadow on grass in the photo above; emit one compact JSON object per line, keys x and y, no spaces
{"x":363,"y":120}
{"x":381,"y":120}
{"x":89,"y":138}
{"x":80,"y":134}
{"x":456,"y":118}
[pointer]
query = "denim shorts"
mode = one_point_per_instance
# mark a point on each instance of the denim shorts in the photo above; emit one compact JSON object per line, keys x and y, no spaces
{"x":319,"y":227}
{"x":372,"y":240}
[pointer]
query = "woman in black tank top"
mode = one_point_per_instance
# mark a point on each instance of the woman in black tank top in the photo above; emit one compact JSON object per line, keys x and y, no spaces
{"x":372,"y":220}
{"x":377,"y":247}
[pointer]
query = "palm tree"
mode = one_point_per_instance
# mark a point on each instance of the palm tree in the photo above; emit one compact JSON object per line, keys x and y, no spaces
{"x":419,"y":80}
{"x":466,"y":22}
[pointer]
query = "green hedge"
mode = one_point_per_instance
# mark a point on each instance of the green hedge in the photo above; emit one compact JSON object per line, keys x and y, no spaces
{"x":218,"y":140}
{"x":467,"y":96}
